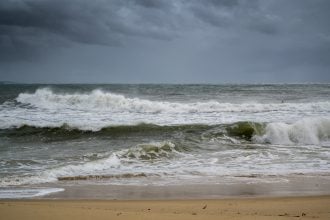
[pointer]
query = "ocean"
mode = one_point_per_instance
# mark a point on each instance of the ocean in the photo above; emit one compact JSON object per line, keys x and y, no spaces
{"x":54,"y":136}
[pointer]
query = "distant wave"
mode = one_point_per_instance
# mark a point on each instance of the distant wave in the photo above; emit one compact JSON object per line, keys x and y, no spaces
{"x":65,"y":131}
{"x":98,"y":99}
{"x":98,"y":109}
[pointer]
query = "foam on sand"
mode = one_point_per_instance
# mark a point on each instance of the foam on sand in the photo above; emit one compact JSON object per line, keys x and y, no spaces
{"x":18,"y":193}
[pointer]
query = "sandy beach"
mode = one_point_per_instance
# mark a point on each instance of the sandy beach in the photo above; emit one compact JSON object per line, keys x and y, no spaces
{"x":314,"y":207}
{"x":164,"y":109}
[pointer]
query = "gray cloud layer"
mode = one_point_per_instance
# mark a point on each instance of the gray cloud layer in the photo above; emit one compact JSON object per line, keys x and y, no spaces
{"x":40,"y":22}
{"x":225,"y":40}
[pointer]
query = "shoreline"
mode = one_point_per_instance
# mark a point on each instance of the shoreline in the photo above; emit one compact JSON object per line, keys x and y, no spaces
{"x":302,"y":207}
{"x":242,"y":187}
{"x":298,"y":185}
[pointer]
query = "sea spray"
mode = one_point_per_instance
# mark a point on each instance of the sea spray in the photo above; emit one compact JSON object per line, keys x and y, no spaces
{"x":306,"y":131}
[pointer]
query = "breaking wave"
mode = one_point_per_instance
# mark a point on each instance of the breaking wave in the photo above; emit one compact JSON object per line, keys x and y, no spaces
{"x":98,"y":99}
{"x":118,"y":161}
{"x":305,"y":131}
{"x":151,"y":151}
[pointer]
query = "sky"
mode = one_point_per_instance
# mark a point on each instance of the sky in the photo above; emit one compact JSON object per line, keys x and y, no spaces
{"x":165,"y":41}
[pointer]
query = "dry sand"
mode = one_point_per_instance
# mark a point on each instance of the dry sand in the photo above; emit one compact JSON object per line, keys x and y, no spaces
{"x":316,"y":207}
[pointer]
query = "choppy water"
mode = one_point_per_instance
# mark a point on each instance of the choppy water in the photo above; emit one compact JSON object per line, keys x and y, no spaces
{"x":161,"y":134}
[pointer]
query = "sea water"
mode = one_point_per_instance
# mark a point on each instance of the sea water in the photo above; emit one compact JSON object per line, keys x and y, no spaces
{"x":160,"y":134}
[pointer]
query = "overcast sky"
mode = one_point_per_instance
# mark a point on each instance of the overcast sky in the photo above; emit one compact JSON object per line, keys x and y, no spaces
{"x":165,"y":41}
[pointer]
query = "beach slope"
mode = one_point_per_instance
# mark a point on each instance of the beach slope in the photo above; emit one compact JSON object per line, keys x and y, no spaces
{"x":317,"y":207}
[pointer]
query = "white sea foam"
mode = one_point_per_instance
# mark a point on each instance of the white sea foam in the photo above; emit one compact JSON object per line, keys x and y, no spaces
{"x":52,"y":174}
{"x":306,"y":131}
{"x":98,"y":109}
{"x":162,"y":160}
{"x":119,"y":162}
{"x":98,"y":99}
{"x":18,"y":193}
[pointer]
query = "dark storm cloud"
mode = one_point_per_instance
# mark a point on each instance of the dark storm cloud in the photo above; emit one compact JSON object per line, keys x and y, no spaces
{"x":160,"y":4}
{"x":29,"y":25}
{"x":165,"y":36}
{"x":235,"y":14}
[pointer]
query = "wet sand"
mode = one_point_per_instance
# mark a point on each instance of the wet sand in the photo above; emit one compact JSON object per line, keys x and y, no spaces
{"x":299,"y":197}
{"x":313,"y":207}
{"x":299,"y":185}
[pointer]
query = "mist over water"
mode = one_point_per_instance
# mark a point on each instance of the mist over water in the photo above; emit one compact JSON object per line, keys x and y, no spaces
{"x":161,"y":134}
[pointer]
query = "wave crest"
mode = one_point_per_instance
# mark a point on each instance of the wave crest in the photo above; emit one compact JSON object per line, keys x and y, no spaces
{"x":98,"y":99}
{"x":107,"y":167}
{"x":306,"y":131}
{"x":151,"y":151}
